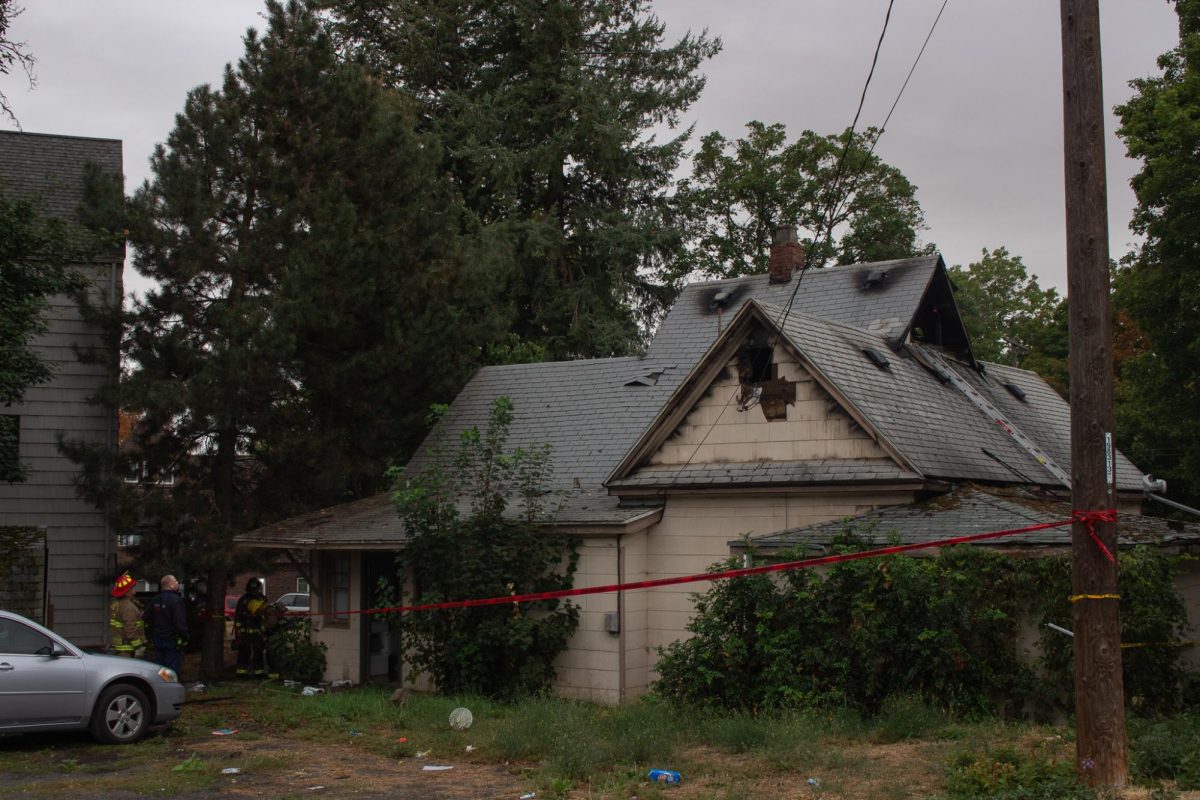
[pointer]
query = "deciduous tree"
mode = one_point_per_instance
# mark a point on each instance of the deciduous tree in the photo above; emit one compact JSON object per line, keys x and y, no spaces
{"x":1160,"y":289}
{"x":740,"y":191}
{"x":12,"y":53}
{"x":1010,"y":318}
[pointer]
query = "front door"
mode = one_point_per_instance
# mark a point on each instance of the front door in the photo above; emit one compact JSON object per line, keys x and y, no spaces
{"x":380,"y":647}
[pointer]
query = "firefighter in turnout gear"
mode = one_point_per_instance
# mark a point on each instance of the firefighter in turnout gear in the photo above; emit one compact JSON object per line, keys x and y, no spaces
{"x":250,"y":622}
{"x":125,"y":619}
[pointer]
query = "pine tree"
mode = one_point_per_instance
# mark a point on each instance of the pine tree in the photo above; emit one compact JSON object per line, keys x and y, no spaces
{"x":549,"y":109}
{"x":310,"y":296}
{"x":1160,"y":287}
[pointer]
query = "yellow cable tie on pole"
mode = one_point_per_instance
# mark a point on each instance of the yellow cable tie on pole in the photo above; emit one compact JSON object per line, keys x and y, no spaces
{"x":1077,"y":597}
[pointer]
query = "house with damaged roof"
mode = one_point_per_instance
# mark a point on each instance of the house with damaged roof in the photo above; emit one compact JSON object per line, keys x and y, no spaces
{"x":764,"y":405}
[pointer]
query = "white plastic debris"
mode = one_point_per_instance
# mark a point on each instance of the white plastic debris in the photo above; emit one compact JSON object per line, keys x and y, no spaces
{"x":422,"y":753}
{"x":309,"y":691}
{"x":461,"y":719}
{"x":231,"y":771}
{"x":470,"y":748}
{"x":435,"y":768}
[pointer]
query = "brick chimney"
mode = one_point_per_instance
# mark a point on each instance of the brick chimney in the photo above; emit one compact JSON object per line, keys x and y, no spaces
{"x":786,"y":254}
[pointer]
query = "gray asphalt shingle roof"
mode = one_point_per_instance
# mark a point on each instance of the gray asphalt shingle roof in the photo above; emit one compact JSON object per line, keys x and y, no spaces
{"x":592,"y":412}
{"x":584,"y":410}
{"x":50,"y":169}
{"x":933,"y":425}
{"x":833,"y":293}
{"x":974,"y":509}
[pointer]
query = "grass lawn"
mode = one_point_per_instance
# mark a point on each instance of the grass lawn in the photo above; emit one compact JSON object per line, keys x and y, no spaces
{"x":356,"y":744}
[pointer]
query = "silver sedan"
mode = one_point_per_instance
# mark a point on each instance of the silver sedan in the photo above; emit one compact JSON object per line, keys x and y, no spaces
{"x":49,"y":684}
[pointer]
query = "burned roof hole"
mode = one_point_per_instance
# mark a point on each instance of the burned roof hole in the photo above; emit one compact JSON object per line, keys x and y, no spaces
{"x":1015,"y":391}
{"x":647,"y":377}
{"x":721,"y":299}
{"x":715,"y":299}
{"x":874,"y":279}
{"x":877,"y":358}
{"x":755,"y":364}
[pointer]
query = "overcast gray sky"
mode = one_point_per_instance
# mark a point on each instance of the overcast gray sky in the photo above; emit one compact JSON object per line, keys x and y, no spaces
{"x":979,"y":129}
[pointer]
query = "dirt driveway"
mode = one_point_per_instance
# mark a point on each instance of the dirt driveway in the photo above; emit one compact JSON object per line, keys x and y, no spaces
{"x":63,"y":766}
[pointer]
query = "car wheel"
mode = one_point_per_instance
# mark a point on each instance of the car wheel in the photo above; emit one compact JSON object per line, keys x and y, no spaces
{"x":121,"y":716}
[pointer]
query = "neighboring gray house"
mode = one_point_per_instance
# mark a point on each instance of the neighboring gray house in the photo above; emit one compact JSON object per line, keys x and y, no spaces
{"x":764,"y":404}
{"x":75,"y":540}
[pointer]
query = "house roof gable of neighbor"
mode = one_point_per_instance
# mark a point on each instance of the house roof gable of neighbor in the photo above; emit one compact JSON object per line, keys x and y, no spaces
{"x":51,"y":170}
{"x":603,"y":417}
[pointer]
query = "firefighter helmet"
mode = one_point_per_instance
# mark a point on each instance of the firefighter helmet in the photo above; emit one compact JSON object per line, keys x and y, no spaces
{"x":124,"y":585}
{"x":254,"y":585}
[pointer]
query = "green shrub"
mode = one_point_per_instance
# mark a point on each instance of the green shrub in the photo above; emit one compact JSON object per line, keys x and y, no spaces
{"x":294,"y":655}
{"x":1167,"y":749}
{"x":907,"y":716}
{"x":499,"y":651}
{"x":1006,"y":774}
{"x":943,"y":629}
{"x":1153,"y":616}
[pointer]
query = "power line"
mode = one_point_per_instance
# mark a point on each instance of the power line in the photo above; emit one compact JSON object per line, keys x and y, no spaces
{"x":911,"y":70}
{"x":828,"y":227}
{"x":888,"y":118}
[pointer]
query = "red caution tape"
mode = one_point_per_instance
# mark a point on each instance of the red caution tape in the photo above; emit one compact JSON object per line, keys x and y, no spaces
{"x":1090,"y":518}
{"x":1082,"y":516}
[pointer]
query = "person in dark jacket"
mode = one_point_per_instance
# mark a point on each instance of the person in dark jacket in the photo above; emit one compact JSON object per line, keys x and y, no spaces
{"x":166,"y":619}
{"x":250,"y":622}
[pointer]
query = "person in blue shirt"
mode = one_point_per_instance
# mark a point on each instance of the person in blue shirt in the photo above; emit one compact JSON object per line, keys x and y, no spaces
{"x":166,"y":619}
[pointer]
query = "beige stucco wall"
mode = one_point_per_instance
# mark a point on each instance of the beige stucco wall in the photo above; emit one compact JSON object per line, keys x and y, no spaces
{"x":1188,"y":582}
{"x":815,"y":428}
{"x":695,"y":531}
{"x":588,"y":670}
{"x":343,"y":655}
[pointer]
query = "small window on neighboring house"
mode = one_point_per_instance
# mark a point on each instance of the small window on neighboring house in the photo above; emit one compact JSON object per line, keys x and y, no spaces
{"x":140,"y":472}
{"x":338,"y":591}
{"x":127,"y":540}
{"x":302,"y":585}
{"x":10,"y":448}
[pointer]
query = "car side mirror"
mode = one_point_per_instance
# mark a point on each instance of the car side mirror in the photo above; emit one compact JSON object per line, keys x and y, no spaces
{"x":57,"y":650}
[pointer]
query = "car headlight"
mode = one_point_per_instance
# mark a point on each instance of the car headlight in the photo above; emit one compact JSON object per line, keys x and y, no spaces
{"x":168,"y":675}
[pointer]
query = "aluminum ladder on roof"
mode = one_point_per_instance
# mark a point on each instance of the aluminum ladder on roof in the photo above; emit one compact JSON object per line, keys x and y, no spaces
{"x":939,"y":366}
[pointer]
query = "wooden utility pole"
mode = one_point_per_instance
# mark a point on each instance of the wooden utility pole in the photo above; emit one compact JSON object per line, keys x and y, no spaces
{"x":1099,"y":691}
